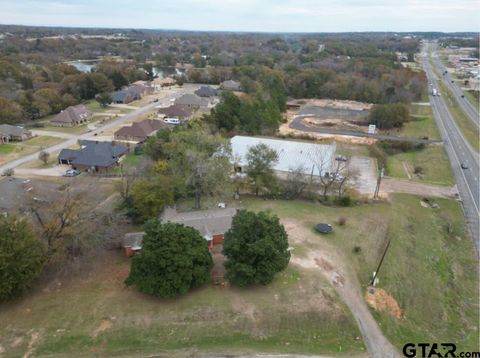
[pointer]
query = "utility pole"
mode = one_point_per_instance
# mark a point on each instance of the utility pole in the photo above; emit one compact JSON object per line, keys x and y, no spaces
{"x":375,"y":274}
{"x":379,"y":181}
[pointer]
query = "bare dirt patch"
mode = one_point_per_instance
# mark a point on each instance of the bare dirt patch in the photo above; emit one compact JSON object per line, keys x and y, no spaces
{"x":381,"y":300}
{"x":104,"y":326}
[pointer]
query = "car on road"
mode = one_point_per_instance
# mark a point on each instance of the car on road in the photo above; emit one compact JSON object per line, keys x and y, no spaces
{"x":155,"y":100}
{"x":463,"y":96}
{"x":71,"y":173}
{"x":464,"y":166}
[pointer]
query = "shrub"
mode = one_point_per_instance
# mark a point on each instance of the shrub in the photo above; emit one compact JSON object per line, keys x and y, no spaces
{"x":21,"y":257}
{"x":418,"y":170}
{"x":344,"y":201}
{"x":256,"y":248}
{"x":174,"y":259}
{"x":357,"y":249}
{"x":342,"y":221}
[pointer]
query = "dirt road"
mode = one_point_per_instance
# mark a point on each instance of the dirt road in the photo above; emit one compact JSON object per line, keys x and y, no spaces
{"x":395,"y":185}
{"x":331,"y":265}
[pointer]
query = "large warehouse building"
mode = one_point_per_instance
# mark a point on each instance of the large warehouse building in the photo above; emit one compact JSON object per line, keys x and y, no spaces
{"x":291,"y":154}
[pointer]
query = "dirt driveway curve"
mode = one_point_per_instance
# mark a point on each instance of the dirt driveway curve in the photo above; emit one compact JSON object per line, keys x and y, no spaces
{"x":332,"y":267}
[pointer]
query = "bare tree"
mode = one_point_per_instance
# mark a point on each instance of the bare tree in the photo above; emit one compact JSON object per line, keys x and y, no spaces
{"x":329,"y":169}
{"x":296,"y":182}
{"x":43,"y":156}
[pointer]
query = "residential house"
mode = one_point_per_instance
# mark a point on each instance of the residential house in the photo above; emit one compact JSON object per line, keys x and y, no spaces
{"x":230,"y":85}
{"x":139,"y":131}
{"x":72,"y":116}
{"x":206,"y":91}
{"x":291,"y":155}
{"x":176,"y":111}
{"x":13,"y":133}
{"x":124,"y":97}
{"x":211,"y":224}
{"x":158,"y":83}
{"x":192,"y":101}
{"x":93,"y":156}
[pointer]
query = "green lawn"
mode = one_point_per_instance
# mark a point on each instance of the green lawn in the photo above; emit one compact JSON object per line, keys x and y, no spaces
{"x":432,"y":159}
{"x":422,"y":124}
{"x":473,"y":98}
{"x":14,"y":150}
{"x":468,"y":129}
{"x":430,"y":268}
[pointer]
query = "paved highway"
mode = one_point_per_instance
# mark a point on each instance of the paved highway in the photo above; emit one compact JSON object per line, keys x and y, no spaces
{"x":458,"y":152}
{"x":470,"y":110}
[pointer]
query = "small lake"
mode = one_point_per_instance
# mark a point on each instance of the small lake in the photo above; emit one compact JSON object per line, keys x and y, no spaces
{"x":161,"y":72}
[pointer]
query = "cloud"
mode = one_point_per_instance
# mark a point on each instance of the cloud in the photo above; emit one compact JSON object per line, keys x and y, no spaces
{"x":250,"y":15}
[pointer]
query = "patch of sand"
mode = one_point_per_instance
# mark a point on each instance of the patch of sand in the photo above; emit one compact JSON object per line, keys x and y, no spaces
{"x":381,"y":300}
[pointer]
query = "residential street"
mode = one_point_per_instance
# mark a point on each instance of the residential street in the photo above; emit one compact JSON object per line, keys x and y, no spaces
{"x":73,"y":139}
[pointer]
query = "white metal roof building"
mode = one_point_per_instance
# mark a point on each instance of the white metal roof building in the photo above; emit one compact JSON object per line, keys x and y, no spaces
{"x":291,"y":154}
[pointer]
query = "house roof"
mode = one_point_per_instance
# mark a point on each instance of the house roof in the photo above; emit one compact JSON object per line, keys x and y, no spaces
{"x":231,"y":85}
{"x":291,"y":154}
{"x":136,"y":90}
{"x":92,"y":153}
{"x":207,"y":222}
{"x":164,"y":81}
{"x":176,"y":111}
{"x":72,"y":114}
{"x":206,"y":91}
{"x":191,"y":100}
{"x":120,"y":95}
{"x":13,"y":131}
{"x":140,"y":129}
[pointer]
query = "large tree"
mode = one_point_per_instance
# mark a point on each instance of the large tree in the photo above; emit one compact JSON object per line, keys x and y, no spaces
{"x":260,"y":161}
{"x":174,"y":259}
{"x":256,"y":248}
{"x":21,"y":257}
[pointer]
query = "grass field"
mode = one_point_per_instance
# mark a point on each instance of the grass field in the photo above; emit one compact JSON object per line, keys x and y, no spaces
{"x":14,"y":150}
{"x":422,"y":124}
{"x":433,"y":160}
{"x":430,"y":268}
{"x":97,"y":315}
{"x":468,"y":129}
{"x":470,"y":95}
{"x":72,"y":130}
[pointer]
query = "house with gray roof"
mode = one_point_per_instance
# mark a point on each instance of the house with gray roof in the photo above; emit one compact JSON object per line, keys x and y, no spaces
{"x":176,"y":111}
{"x":93,"y":156}
{"x":123,"y":97}
{"x":140,"y":131}
{"x":13,"y":133}
{"x":212,"y":224}
{"x":192,"y":101}
{"x":230,"y":85}
{"x":72,"y":116}
{"x":206,"y":91}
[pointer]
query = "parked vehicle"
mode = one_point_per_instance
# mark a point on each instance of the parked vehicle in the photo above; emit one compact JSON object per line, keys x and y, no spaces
{"x":71,"y":173}
{"x":464,"y":166}
{"x":341,"y":158}
{"x":175,"y":121}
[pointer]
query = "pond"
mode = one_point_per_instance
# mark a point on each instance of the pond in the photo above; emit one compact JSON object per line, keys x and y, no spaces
{"x":87,"y":66}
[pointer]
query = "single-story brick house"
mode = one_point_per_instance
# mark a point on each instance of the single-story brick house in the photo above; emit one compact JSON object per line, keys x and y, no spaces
{"x":212,"y":225}
{"x":206,"y":91}
{"x":94,"y":157}
{"x":124,"y":97}
{"x":139,"y":131}
{"x":192,"y":101}
{"x":176,"y":111}
{"x":10,"y":133}
{"x":72,"y":116}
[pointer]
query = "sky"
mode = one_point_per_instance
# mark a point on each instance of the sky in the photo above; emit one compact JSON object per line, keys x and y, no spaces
{"x":249,"y":15}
